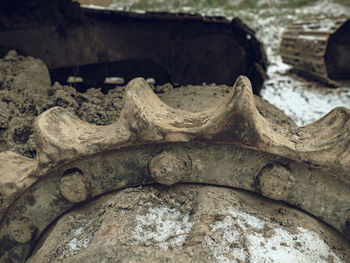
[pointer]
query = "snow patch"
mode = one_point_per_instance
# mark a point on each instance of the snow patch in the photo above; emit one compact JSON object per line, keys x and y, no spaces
{"x":162,"y":225}
{"x":326,"y":7}
{"x":81,"y":238}
{"x":75,"y":244}
{"x":242,"y":237}
{"x":301,"y":102}
{"x":268,"y":2}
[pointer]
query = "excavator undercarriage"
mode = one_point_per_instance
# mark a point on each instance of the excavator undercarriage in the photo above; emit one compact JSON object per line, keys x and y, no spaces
{"x":97,"y":44}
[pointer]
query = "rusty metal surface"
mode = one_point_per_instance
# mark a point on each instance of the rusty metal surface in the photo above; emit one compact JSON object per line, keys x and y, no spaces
{"x":304,"y":46}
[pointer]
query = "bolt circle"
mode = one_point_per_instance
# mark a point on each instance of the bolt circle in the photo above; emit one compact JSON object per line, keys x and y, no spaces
{"x":74,"y":187}
{"x":169,"y":168}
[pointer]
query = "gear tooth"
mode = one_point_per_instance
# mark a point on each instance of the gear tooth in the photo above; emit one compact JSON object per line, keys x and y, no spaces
{"x":151,"y":120}
{"x":237,"y":120}
{"x":325,"y":143}
{"x":56,"y":134}
{"x":60,"y":136}
{"x":244,"y":82}
{"x":140,"y":105}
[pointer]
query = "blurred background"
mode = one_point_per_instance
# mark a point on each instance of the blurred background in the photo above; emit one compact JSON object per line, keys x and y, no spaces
{"x":304,"y":100}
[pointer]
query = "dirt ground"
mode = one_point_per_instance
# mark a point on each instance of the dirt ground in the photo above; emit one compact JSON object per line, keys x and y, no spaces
{"x":25,"y":92}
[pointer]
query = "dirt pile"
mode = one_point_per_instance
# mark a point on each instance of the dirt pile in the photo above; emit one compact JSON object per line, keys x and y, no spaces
{"x":26,"y":91}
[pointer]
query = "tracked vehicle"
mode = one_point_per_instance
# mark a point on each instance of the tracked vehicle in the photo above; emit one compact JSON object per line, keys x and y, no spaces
{"x":319,"y":48}
{"x":95,"y":44}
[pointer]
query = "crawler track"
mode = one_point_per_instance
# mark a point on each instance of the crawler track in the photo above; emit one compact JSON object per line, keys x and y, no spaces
{"x":318,"y":47}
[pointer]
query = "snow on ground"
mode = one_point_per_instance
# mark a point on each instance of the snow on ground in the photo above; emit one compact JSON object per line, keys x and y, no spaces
{"x":162,"y":225}
{"x":326,"y":7}
{"x":240,"y":237}
{"x":268,"y":2}
{"x":304,"y":101}
{"x":79,"y":237}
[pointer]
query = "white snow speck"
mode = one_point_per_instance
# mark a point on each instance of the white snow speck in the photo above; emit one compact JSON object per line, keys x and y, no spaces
{"x":81,"y":238}
{"x":73,"y":244}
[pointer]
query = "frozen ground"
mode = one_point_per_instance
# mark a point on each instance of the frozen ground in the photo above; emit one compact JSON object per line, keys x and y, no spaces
{"x":163,"y":225}
{"x":255,"y":247}
{"x":188,"y":223}
{"x":303,"y":100}
{"x":239,"y":237}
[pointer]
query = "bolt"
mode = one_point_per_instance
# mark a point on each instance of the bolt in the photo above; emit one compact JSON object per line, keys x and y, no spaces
{"x":276,"y":182}
{"x":22,"y":230}
{"x":74,"y":186}
{"x":170,"y":167}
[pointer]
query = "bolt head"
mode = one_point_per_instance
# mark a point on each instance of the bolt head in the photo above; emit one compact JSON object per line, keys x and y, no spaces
{"x":276,"y":182}
{"x":74,"y":187}
{"x":22,"y":230}
{"x":169,"y":168}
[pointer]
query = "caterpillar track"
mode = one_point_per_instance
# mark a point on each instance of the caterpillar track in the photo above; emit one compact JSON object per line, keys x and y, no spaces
{"x":306,"y":167}
{"x":319,"y":48}
{"x":94,"y":44}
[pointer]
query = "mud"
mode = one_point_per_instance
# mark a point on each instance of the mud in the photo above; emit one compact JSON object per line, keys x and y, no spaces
{"x":26,"y":91}
{"x":188,"y":223}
